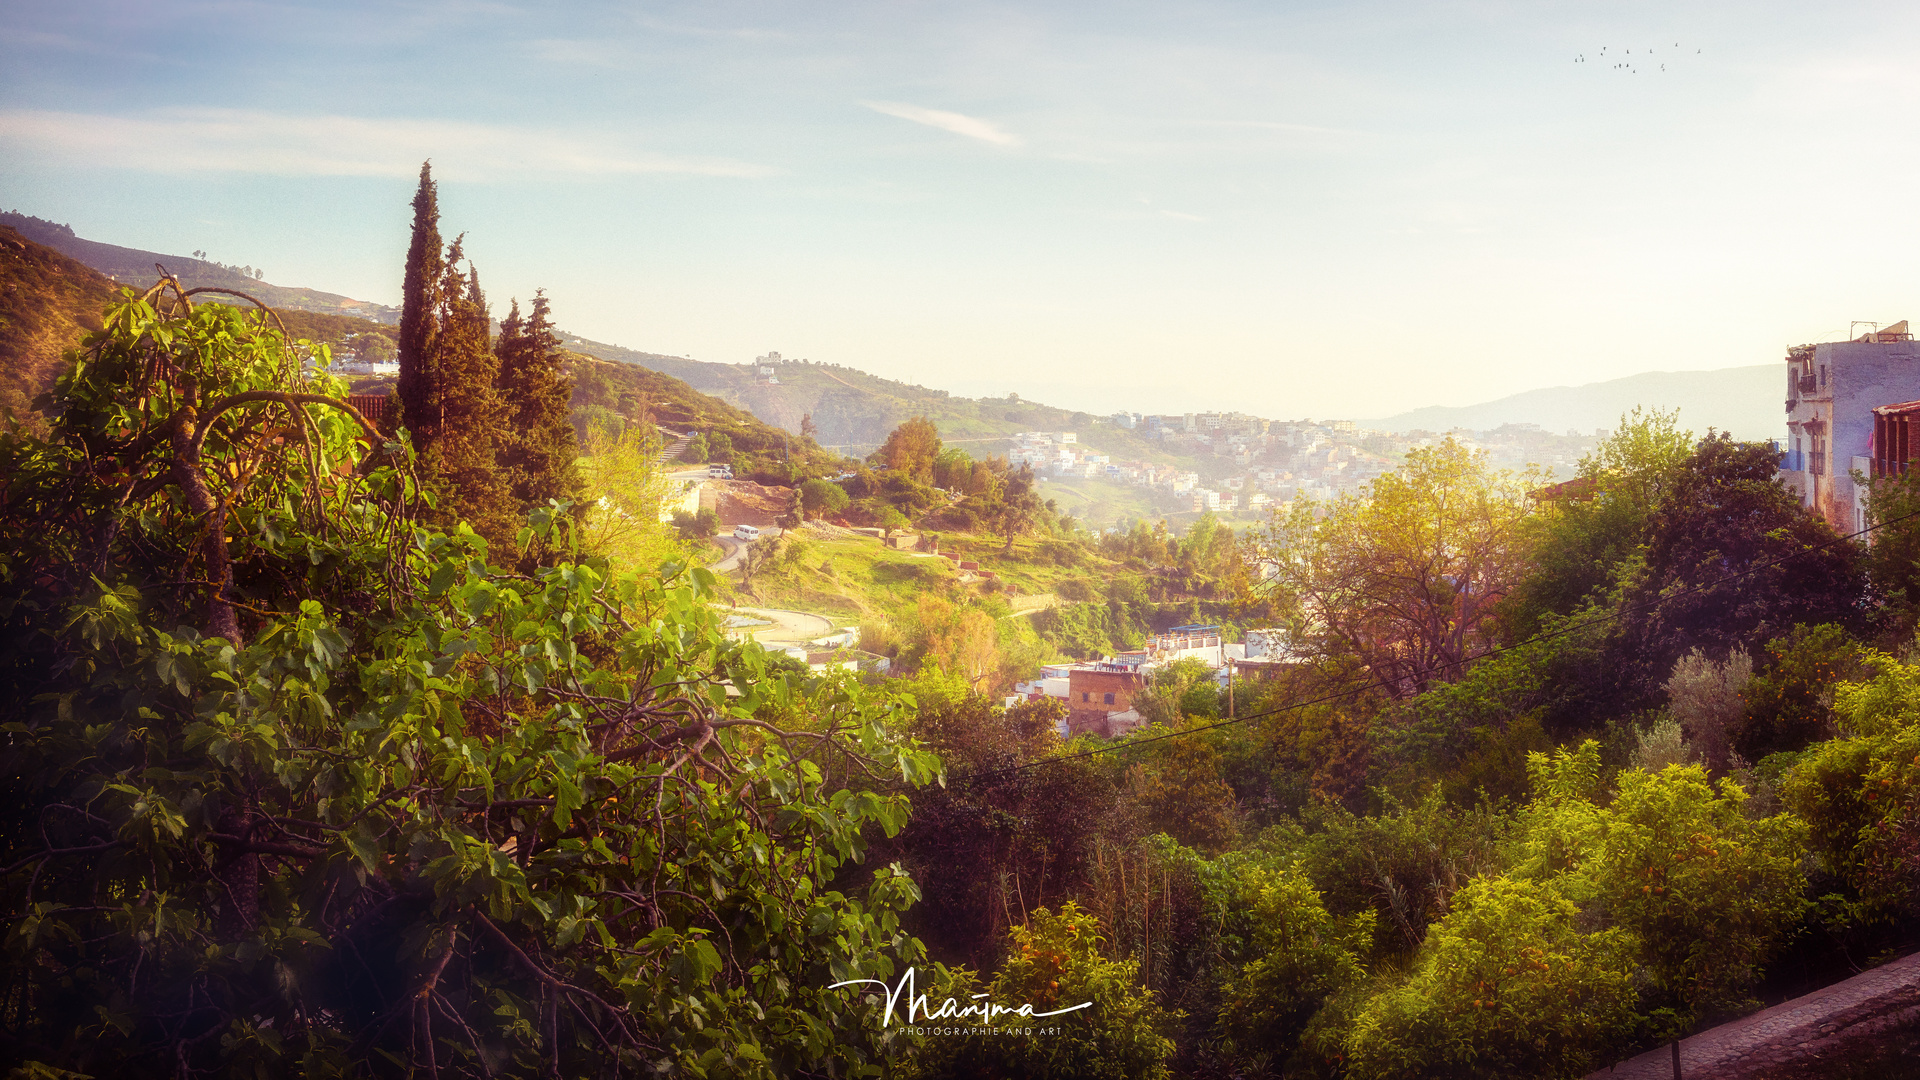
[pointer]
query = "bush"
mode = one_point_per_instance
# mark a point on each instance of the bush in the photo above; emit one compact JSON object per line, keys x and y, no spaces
{"x":1661,"y":744}
{"x":1710,"y":893}
{"x":1181,"y":792}
{"x":1860,"y":795}
{"x":1505,"y":987}
{"x":1075,"y":589}
{"x":1789,"y":704}
{"x":703,"y":525}
{"x":820,"y":498}
{"x":1404,"y":864}
{"x":1054,"y":963}
{"x":1709,"y":699}
{"x":1296,"y":955}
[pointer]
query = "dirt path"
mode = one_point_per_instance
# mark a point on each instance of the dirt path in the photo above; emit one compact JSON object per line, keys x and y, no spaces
{"x":1801,"y":1031}
{"x":785,"y":627}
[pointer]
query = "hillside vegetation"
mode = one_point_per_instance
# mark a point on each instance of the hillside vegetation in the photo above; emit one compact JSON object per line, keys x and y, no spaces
{"x":854,"y":410}
{"x":47,"y":301}
{"x":127,"y":264}
{"x":608,"y":395}
{"x":335,"y":754}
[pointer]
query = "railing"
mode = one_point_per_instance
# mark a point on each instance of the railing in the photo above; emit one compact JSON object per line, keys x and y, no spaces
{"x":1890,"y":467}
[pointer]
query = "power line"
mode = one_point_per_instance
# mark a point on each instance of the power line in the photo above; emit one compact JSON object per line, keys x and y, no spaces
{"x":1355,"y":690}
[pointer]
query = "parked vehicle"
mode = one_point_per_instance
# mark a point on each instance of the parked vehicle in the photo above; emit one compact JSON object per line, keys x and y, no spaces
{"x":748,"y":533}
{"x":719,"y":471}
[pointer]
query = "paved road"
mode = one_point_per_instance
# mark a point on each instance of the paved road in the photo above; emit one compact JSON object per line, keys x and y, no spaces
{"x":1802,"y":1030}
{"x":734,"y":547}
{"x":731,"y":560}
{"x":787,"y":627}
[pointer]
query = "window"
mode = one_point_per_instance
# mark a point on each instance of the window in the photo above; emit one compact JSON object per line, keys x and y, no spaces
{"x":1109,"y":699}
{"x":1085,"y":696}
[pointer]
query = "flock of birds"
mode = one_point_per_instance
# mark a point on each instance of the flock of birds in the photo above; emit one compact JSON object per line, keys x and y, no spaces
{"x":1626,"y":65}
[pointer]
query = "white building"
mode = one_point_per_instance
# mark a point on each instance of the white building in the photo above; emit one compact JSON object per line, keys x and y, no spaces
{"x":1832,"y":391}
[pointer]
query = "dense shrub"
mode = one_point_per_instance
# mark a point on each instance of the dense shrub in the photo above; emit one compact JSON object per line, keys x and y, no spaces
{"x":1506,"y":986}
{"x":1860,"y":796}
{"x":1294,"y":956}
{"x":1053,"y":963}
{"x":1789,"y":703}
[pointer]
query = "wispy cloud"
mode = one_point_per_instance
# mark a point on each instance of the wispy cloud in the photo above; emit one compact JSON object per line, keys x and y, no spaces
{"x":253,"y":141}
{"x":957,"y":123}
{"x":577,"y":53}
{"x":1275,"y":125}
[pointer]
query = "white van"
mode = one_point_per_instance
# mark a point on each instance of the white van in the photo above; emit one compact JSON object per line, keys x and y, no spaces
{"x":720,"y":471}
{"x":748,"y":533}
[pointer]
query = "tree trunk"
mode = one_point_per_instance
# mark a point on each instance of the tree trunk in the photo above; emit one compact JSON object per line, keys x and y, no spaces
{"x":240,"y":875}
{"x":221,"y":620}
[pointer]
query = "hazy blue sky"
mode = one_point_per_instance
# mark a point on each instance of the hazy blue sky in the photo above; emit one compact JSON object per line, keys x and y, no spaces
{"x":1292,"y":209}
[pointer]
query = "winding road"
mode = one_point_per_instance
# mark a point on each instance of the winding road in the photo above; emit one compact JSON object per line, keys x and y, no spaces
{"x":733,"y":546}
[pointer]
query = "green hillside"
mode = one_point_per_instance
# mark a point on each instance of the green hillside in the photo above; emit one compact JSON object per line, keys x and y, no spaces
{"x":47,"y":301}
{"x":854,"y":411}
{"x":132,"y":265}
{"x":606,"y":393}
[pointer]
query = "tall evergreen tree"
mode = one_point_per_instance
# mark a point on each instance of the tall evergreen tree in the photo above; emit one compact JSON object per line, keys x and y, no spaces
{"x":462,"y":459}
{"x":540,"y":452}
{"x":420,"y":406}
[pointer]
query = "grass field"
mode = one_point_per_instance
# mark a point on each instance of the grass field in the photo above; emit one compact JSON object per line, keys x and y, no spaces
{"x":849,"y":580}
{"x":1100,"y":503}
{"x":852,"y":579}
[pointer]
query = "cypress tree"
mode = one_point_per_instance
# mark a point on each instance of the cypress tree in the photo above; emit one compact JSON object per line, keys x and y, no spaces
{"x":472,"y":420}
{"x":419,"y":317}
{"x":542,"y":451}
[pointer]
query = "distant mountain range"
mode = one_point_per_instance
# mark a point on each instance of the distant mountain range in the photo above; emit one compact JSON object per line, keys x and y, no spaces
{"x":854,"y":411}
{"x":1745,"y":401}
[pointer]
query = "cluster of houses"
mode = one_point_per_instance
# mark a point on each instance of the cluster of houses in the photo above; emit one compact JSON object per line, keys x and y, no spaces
{"x":1099,"y":694}
{"x":1059,"y":455}
{"x":1260,"y":464}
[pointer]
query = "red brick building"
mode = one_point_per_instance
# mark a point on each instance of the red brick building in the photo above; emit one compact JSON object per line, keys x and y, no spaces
{"x":1097,"y":695}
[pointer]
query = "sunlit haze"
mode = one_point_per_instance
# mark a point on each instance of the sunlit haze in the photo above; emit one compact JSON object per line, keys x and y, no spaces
{"x":1288,"y":209}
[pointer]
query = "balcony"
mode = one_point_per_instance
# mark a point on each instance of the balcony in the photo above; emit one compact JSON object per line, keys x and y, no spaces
{"x":1807,"y":384}
{"x":1793,"y":461}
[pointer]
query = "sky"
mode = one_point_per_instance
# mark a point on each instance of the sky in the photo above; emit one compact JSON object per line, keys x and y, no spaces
{"x":1289,"y":209}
